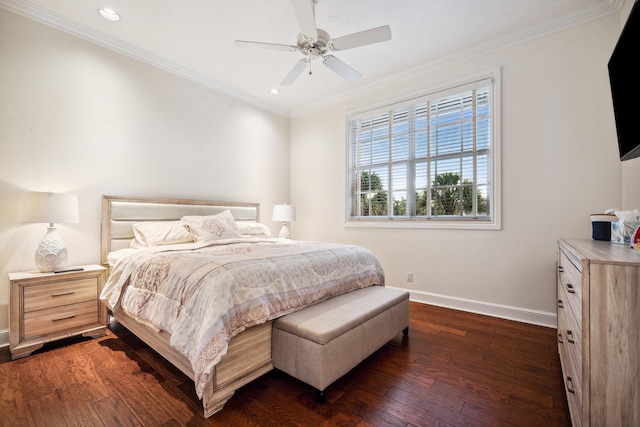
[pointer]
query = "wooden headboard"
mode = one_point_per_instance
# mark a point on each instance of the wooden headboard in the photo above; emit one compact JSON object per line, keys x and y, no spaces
{"x":120,"y":213}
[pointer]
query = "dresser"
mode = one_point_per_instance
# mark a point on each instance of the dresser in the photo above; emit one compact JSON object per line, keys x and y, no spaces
{"x":599,"y":331}
{"x":46,"y":307}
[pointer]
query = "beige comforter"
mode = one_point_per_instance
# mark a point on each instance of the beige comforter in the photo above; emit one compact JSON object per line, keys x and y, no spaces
{"x":205,"y":294}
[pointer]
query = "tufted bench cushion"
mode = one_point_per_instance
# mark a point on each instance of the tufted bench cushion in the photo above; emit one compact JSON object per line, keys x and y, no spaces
{"x":322,"y":342}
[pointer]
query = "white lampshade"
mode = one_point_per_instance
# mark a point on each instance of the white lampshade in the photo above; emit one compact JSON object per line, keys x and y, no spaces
{"x":49,"y":208}
{"x":284,"y":213}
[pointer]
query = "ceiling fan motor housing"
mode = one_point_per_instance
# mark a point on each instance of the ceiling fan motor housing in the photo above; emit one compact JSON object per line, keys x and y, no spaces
{"x":314,"y":47}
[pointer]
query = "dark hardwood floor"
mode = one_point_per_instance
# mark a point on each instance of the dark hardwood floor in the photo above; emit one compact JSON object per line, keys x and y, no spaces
{"x":454,"y":368}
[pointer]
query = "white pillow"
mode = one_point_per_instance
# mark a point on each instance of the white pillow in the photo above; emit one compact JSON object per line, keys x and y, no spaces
{"x":212,"y":227}
{"x":156,"y":233}
{"x":253,"y":229}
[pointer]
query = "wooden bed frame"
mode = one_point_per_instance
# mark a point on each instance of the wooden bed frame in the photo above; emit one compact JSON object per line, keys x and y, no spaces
{"x":249,"y":353}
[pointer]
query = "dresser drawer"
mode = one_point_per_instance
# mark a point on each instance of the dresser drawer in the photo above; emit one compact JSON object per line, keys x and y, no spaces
{"x":570,"y":345}
{"x":570,"y":284}
{"x":569,"y":329}
{"x":572,"y":334}
{"x":573,"y":400}
{"x":60,"y":293}
{"x":572,"y":377}
{"x":57,"y":319}
{"x":572,"y":389}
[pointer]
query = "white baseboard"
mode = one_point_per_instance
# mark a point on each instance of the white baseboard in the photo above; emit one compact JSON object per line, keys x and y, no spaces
{"x":4,"y":338}
{"x":519,"y":314}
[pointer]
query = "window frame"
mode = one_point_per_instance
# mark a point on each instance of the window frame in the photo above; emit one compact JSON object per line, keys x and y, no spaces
{"x":495,"y":222}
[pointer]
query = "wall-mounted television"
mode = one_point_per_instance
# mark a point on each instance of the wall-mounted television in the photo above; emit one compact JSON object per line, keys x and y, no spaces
{"x":624,"y":76}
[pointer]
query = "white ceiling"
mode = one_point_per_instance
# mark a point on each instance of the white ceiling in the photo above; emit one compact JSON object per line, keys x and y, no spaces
{"x":195,"y":38}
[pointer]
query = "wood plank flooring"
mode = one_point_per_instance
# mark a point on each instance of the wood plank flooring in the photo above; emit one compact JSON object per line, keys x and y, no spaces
{"x":454,"y":369}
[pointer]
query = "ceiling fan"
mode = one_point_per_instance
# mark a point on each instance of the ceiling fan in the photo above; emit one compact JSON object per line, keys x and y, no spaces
{"x":315,"y":43}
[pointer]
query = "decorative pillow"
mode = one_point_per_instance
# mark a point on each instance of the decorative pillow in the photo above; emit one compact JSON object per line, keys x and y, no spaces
{"x":253,"y":229}
{"x":156,"y":233}
{"x":212,"y":227}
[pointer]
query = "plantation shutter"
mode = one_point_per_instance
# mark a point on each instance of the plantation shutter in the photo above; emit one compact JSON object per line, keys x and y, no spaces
{"x":426,"y":158}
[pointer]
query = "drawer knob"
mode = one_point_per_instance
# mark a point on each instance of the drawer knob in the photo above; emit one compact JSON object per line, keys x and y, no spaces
{"x":560,"y":338}
{"x":570,"y":288}
{"x":570,"y":337}
{"x":570,"y":387}
{"x":560,"y":269}
{"x":560,"y":304}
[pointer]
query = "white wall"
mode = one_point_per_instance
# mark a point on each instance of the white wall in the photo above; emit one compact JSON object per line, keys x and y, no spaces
{"x":75,"y":117}
{"x":631,"y":184}
{"x":559,"y":165}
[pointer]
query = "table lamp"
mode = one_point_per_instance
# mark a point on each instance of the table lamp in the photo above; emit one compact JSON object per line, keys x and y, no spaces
{"x":285,"y":213}
{"x":42,"y":207}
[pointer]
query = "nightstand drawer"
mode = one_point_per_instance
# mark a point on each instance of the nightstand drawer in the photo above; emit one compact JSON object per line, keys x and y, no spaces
{"x":57,"y":319}
{"x":59,"y":294}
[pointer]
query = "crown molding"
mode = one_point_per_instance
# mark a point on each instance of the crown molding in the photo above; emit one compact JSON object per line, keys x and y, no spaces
{"x":46,"y":17}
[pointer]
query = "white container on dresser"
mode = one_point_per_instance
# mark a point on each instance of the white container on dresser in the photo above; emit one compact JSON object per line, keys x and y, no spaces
{"x":599,"y":331}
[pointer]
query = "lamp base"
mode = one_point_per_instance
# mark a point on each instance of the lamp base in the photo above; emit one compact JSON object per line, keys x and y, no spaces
{"x":284,"y":232}
{"x":51,"y":252}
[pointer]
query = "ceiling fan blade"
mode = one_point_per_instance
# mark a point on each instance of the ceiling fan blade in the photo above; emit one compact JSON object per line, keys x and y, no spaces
{"x":305,"y":13}
{"x":270,"y":46}
{"x":295,"y":72}
{"x":340,"y":68}
{"x":362,"y":38}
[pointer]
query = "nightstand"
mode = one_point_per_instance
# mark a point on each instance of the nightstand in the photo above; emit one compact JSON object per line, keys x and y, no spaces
{"x":45,"y":307}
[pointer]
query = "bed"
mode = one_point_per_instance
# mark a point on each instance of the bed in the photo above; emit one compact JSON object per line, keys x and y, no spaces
{"x":220,"y":352}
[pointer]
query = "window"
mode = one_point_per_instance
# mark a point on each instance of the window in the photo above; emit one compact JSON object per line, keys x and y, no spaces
{"x":431,"y":161}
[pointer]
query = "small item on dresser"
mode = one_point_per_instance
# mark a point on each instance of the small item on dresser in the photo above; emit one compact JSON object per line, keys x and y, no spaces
{"x":622,"y":229}
{"x":636,"y":239}
{"x":601,"y":226}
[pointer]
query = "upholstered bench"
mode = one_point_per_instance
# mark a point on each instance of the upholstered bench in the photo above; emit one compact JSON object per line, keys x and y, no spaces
{"x":320,"y":343}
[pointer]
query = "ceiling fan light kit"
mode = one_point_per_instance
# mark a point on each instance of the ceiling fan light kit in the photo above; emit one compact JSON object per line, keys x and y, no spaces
{"x":315,"y":43}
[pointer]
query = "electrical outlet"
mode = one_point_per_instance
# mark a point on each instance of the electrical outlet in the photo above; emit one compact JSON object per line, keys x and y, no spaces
{"x":409,"y":276}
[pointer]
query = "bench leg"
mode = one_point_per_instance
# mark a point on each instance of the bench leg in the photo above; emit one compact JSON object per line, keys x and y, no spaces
{"x":321,"y":396}
{"x":405,"y":331}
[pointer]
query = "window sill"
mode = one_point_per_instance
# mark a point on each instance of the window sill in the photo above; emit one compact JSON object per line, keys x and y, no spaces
{"x":427,"y":224}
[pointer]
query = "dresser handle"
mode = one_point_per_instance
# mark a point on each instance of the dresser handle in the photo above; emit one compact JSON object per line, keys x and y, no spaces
{"x":560,"y":304}
{"x":560,"y":338}
{"x":570,"y":386}
{"x":67,"y":316}
{"x":59,"y":294}
{"x":570,"y":288}
{"x":560,"y":269}
{"x":570,"y":337}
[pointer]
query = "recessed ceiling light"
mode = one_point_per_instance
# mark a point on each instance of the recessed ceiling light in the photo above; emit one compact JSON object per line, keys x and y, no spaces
{"x":274,"y":92}
{"x":109,"y":14}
